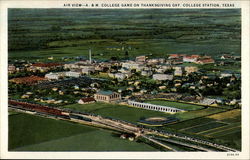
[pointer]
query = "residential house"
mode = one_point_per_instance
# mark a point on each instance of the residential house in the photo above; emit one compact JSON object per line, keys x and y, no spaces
{"x":87,"y":100}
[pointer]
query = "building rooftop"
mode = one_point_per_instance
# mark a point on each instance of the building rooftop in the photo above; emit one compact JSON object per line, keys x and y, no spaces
{"x":105,"y":92}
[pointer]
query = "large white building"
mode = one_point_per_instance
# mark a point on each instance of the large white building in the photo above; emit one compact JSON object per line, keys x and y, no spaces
{"x":133,"y":65}
{"x":54,"y":76}
{"x":163,"y":77}
{"x":72,"y":74}
{"x":59,"y":75}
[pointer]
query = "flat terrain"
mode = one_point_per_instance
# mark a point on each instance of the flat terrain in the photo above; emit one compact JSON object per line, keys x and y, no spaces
{"x":36,"y":34}
{"x":122,"y":112}
{"x":224,"y":127}
{"x":133,"y":114}
{"x":188,"y":107}
{"x":32,"y":133}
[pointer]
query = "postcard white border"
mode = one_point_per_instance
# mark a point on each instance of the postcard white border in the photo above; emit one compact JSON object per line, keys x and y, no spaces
{"x":244,"y":154}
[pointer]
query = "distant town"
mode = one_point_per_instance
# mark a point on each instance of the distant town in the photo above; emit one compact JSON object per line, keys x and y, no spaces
{"x":121,"y":81}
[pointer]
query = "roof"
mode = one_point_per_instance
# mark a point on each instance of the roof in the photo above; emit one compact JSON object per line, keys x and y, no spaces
{"x":105,"y":92}
{"x":88,"y":99}
{"x":46,"y":64}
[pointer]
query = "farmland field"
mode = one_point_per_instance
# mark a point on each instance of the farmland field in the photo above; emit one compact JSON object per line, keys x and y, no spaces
{"x":224,"y":127}
{"x":59,"y":33}
{"x":184,"y":106}
{"x":42,"y":134}
{"x":204,"y":127}
{"x":232,"y":114}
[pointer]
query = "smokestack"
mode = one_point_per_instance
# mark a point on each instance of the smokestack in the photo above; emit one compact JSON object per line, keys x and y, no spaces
{"x":90,"y":60}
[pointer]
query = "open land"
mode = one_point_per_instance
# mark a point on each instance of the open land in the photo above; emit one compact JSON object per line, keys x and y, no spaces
{"x":184,"y":106}
{"x":56,"y":35}
{"x":42,"y":134}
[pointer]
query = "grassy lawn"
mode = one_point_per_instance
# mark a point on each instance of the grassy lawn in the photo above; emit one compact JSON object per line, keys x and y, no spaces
{"x":116,"y":111}
{"x":32,"y":133}
{"x":184,"y":106}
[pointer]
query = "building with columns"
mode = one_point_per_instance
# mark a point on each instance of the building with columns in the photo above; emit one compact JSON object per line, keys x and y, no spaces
{"x":155,"y":107}
{"x":107,"y":96}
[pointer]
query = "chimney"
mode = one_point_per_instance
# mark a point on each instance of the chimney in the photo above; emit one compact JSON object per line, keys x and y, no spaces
{"x":90,"y":60}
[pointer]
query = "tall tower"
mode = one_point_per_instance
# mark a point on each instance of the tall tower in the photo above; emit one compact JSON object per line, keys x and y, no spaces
{"x":90,"y":60}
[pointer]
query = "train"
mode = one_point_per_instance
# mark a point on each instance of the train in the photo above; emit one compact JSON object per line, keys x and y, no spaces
{"x":46,"y":111}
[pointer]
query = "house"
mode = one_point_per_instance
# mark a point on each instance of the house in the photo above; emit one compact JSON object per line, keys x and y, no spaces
{"x":226,"y":56}
{"x":11,"y":68}
{"x":43,"y":67}
{"x":120,"y":76}
{"x":163,"y":77}
{"x":107,"y":96}
{"x":140,"y":58}
{"x":173,"y":56}
{"x":191,"y":69}
{"x":25,"y":96}
{"x":178,"y":72}
{"x":124,"y":70}
{"x":133,"y":65}
{"x":226,"y":74}
{"x":208,"y":101}
{"x":88,"y":69}
{"x":146,"y":73}
{"x":192,"y":58}
{"x":205,"y":61}
{"x":162,"y":87}
{"x":87,"y":100}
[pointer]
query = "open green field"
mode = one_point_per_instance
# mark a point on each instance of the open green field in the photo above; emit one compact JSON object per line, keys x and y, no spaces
{"x":122,"y":112}
{"x":32,"y":133}
{"x":40,"y":33}
{"x":188,"y":107}
{"x":133,"y":114}
{"x":197,"y":113}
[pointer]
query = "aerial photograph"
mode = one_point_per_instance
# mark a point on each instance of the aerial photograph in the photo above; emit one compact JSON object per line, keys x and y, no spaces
{"x":148,"y":80}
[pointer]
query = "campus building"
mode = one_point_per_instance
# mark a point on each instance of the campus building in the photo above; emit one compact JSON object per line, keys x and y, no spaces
{"x":72,"y":74}
{"x":162,"y":77}
{"x":107,"y":96}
